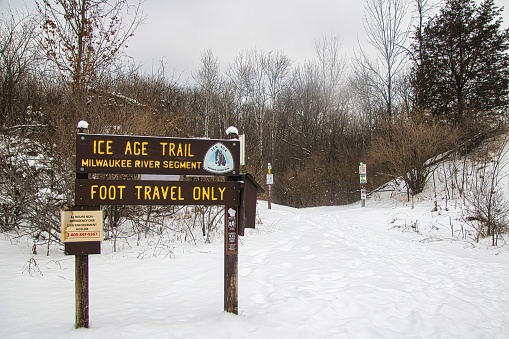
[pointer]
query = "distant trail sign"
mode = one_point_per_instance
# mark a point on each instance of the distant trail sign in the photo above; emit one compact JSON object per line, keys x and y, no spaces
{"x":126,"y":154}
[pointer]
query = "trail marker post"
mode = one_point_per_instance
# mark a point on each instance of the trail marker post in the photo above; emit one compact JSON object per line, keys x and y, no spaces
{"x":270,"y":182}
{"x":231,"y":261}
{"x":363,"y":181}
{"x":82,"y":235}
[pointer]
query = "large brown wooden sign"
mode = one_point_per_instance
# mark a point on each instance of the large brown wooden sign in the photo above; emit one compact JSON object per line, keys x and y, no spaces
{"x":126,"y":154}
{"x":148,"y":192}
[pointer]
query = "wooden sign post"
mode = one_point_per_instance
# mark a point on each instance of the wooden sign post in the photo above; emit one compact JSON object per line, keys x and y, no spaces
{"x":270,"y":182}
{"x":231,"y":271}
{"x":81,"y":234}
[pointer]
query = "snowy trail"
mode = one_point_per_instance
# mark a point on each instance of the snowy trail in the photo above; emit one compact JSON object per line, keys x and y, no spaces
{"x":355,"y":282}
{"x":310,"y":273}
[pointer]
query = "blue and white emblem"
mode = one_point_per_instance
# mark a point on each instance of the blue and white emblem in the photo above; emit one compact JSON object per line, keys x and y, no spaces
{"x":218,"y":159}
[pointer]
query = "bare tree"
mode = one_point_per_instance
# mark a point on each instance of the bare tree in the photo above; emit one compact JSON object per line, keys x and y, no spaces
{"x":332,"y":66}
{"x":208,"y":80}
{"x":18,"y":57}
{"x":83,"y":37}
{"x":278,"y":78}
{"x":256,"y":80}
{"x":424,"y":9}
{"x":387,"y":34}
{"x":248,"y":75}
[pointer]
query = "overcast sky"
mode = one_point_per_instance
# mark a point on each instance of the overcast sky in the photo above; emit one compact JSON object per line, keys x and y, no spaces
{"x":178,"y":31}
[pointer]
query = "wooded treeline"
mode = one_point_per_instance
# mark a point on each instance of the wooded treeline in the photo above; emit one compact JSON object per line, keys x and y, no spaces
{"x":415,"y":91}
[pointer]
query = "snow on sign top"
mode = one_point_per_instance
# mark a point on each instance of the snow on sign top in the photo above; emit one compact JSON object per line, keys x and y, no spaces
{"x":232,"y":130}
{"x":83,"y":124}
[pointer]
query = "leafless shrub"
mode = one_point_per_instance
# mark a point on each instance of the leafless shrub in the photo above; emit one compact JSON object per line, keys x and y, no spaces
{"x":487,"y":209}
{"x":411,"y":148}
{"x":32,"y":267}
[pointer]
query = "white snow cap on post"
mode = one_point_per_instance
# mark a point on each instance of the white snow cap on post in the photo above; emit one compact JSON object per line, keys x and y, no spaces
{"x":83,"y":124}
{"x":232,"y":130}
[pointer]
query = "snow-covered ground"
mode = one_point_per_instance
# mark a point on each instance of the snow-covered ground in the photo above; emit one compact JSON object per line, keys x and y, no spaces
{"x":383,"y":271}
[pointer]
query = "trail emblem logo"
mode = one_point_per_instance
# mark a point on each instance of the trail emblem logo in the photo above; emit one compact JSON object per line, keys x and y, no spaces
{"x":218,"y":159}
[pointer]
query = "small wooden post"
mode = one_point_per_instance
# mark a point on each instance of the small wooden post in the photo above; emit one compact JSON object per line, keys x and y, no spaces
{"x":81,"y":288}
{"x":231,"y":276}
{"x":270,"y":181}
{"x":231,"y":247}
{"x":269,"y":200}
{"x":363,"y":181}
{"x":81,"y":269}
